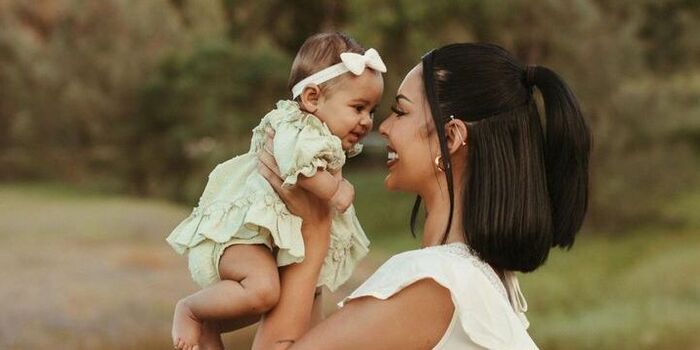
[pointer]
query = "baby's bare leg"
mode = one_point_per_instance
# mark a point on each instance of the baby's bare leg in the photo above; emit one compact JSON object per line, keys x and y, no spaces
{"x":249,"y":287}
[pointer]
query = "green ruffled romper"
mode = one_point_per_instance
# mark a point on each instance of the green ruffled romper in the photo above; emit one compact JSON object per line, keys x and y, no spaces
{"x":239,"y":206}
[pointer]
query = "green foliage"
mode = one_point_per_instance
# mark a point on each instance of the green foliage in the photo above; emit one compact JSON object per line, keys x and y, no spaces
{"x":191,"y":108}
{"x":146,"y":97}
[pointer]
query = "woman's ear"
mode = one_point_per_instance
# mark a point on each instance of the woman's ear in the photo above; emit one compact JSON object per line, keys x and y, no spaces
{"x":309,"y":98}
{"x":456,"y":132}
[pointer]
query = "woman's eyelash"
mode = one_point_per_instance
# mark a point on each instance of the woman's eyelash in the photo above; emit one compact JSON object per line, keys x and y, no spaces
{"x":396,"y":110}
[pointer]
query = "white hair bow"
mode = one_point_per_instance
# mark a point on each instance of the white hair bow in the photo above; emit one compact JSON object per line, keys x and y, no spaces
{"x":356,"y":63}
{"x":350,"y":62}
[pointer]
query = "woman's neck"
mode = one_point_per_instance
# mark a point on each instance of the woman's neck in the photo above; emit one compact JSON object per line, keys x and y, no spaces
{"x":437,"y":208}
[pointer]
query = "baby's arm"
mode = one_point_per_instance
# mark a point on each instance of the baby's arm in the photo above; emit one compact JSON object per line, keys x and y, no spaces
{"x":332,"y":188}
{"x":323,"y":184}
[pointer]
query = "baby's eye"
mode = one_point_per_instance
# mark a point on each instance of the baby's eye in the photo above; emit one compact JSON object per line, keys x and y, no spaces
{"x":359,"y":108}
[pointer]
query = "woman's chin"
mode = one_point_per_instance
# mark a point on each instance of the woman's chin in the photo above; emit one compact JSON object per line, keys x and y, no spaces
{"x":389,"y":183}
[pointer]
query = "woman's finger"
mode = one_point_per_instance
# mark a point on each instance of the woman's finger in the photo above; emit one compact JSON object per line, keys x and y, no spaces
{"x":268,"y":155}
{"x":274,"y":180}
{"x":266,"y":158}
{"x":287,"y":195}
{"x":269,"y":137}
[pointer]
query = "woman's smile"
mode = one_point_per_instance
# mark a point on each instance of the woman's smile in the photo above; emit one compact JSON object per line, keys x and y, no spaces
{"x":392,"y":157}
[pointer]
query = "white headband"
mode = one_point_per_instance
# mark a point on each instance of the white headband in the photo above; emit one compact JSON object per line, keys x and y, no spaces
{"x":350,"y":62}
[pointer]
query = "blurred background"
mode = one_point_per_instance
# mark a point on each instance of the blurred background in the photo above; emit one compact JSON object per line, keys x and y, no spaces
{"x":113,"y":112}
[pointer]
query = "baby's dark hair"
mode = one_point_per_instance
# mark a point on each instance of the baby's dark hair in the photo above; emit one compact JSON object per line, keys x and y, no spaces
{"x":320,"y":51}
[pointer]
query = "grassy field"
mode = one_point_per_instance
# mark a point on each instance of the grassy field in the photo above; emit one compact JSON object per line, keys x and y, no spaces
{"x":88,"y":271}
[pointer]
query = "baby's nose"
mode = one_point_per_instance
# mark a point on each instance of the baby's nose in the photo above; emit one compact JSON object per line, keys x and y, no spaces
{"x":366,"y":121}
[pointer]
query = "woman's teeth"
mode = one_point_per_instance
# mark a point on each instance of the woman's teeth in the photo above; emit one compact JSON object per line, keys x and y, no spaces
{"x":393,"y":156}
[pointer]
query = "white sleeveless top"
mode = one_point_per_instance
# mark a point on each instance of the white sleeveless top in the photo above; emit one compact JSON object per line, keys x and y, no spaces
{"x":487,"y":314}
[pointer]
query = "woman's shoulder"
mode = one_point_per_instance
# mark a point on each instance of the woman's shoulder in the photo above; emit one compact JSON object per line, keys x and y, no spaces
{"x":451,"y":265}
{"x":480,"y":300}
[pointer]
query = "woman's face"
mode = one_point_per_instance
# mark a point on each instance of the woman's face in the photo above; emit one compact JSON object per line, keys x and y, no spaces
{"x":413,"y":145}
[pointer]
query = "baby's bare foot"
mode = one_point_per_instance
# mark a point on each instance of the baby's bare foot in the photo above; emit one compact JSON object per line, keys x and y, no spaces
{"x":186,"y":327}
{"x":210,"y":338}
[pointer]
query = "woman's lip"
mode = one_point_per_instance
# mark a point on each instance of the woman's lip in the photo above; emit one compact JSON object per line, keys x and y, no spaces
{"x":393,"y":159}
{"x":392,"y":155}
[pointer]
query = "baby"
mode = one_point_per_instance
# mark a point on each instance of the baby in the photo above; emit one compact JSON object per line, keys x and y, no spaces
{"x":241,"y":232}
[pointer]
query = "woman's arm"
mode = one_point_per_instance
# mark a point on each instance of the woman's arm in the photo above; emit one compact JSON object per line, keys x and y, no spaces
{"x":317,"y":310}
{"x":291,"y":317}
{"x":415,"y":318}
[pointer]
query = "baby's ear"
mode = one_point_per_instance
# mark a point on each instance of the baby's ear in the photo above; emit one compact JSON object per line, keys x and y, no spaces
{"x":309,"y":98}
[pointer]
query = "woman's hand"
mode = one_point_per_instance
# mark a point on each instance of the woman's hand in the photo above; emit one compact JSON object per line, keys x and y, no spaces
{"x":344,"y":196}
{"x":300,"y":202}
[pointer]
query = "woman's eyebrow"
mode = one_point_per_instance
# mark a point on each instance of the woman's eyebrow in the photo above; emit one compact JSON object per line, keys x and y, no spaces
{"x":400,"y":96}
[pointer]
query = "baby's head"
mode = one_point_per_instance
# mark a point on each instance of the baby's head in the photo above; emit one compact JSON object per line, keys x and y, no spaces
{"x":345,"y":102}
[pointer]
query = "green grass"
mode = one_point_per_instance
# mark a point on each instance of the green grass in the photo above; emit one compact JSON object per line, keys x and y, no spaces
{"x":636,"y":292}
{"x":384,"y":215}
{"x":92,"y":271}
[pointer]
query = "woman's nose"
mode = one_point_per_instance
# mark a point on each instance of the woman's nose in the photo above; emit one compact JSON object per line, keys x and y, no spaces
{"x":384,"y":126}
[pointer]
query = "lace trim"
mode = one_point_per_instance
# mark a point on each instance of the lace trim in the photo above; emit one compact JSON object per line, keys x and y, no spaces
{"x":462,"y":250}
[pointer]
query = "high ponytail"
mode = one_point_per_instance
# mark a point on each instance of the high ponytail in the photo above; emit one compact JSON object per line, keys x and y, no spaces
{"x":526,"y":186}
{"x":567,"y":148}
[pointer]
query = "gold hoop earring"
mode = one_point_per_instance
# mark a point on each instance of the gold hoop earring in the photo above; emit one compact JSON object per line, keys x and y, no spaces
{"x":438,"y":160}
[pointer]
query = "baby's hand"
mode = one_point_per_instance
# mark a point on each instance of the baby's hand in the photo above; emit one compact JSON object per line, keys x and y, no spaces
{"x":344,"y":196}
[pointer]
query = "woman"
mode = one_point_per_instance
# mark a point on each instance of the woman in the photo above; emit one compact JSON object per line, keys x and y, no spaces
{"x":465,"y":136}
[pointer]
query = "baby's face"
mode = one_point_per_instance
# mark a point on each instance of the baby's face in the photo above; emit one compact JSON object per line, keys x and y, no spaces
{"x":349,"y":107}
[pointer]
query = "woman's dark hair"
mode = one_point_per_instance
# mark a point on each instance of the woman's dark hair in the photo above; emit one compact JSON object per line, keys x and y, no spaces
{"x":527,"y":190}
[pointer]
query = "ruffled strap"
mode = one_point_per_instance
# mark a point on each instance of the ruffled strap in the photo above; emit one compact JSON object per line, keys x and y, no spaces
{"x":483,"y":310}
{"x":303,"y":143}
{"x":355,"y":151}
{"x":314,"y":148}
